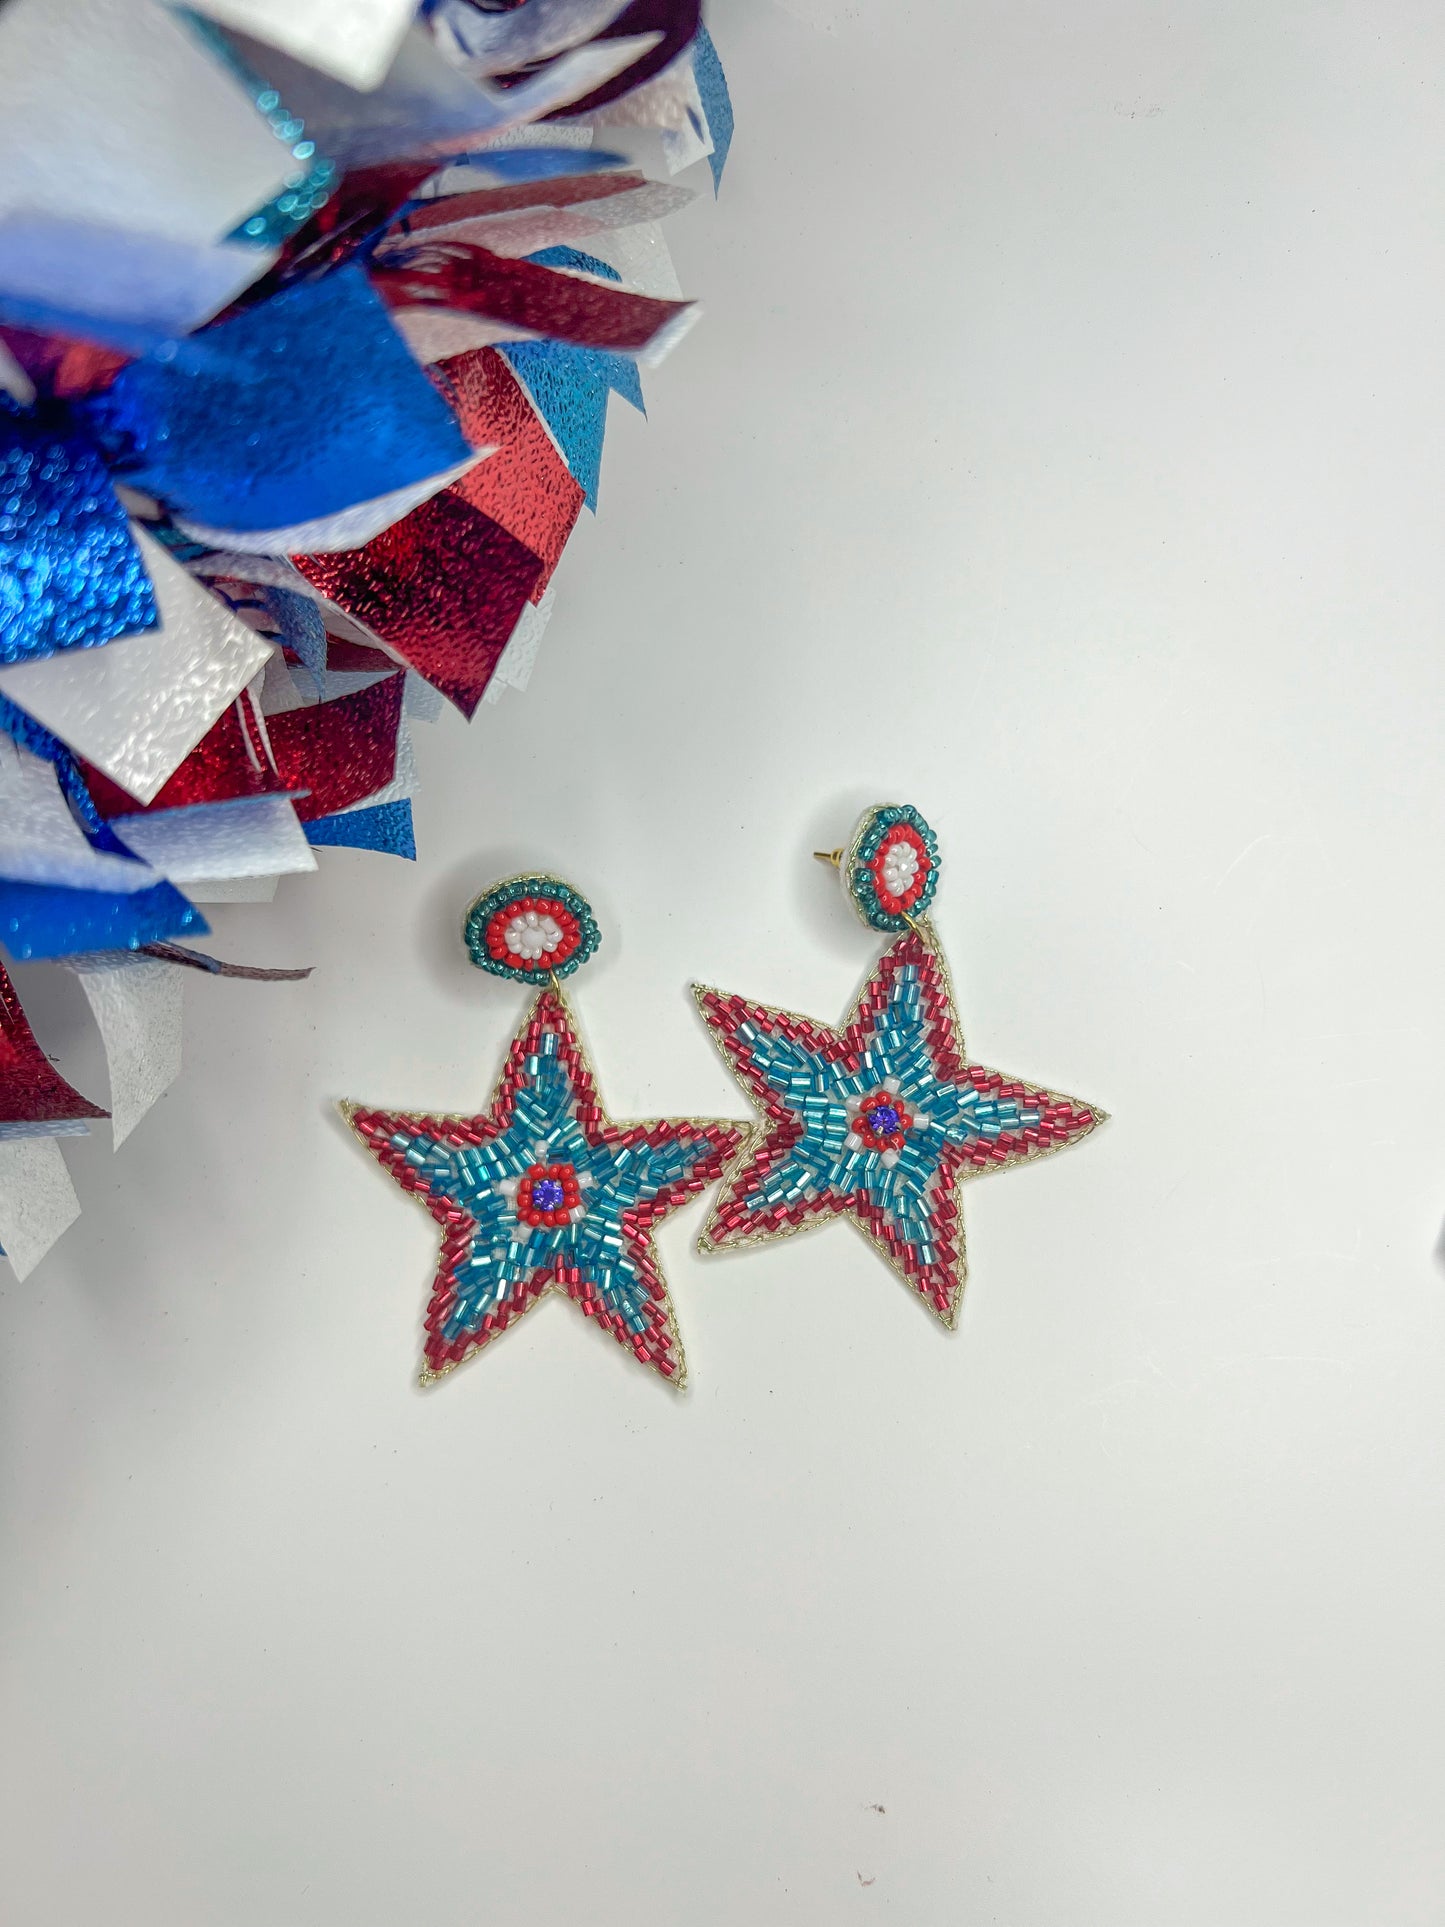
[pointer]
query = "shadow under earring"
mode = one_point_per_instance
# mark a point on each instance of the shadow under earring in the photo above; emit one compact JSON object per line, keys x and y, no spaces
{"x":543,"y":1192}
{"x":882,"y":1120}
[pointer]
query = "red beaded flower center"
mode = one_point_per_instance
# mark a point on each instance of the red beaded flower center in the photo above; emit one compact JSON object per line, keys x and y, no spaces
{"x":882,"y":1123}
{"x":548,"y":1194}
{"x":533,"y":933}
{"x":900,"y":868}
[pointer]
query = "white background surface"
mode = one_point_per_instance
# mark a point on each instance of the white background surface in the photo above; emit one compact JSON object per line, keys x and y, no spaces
{"x":1062,"y":451}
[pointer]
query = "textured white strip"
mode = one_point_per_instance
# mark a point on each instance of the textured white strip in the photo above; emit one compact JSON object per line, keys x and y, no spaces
{"x":107,"y":109}
{"x":356,"y":40}
{"x":280,"y":690}
{"x":37,"y":1200}
{"x":234,"y":890}
{"x":41,"y":842}
{"x":13,"y":378}
{"x":349,"y":529}
{"x":122,"y":278}
{"x":640,"y":256}
{"x":668,"y":336}
{"x":137,"y":706}
{"x":258,"y":836}
{"x":425,"y":102}
{"x":420,"y":703}
{"x":521,"y":231}
{"x":519,"y":658}
{"x":136,"y":1002}
{"x":552,"y":133}
{"x":289,"y":686}
{"x":433,"y":334}
{"x":690,"y":138}
{"x":667,"y":101}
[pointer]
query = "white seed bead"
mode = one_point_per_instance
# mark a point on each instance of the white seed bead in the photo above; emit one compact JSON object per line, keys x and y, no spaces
{"x":900,"y":867}
{"x":531,"y":935}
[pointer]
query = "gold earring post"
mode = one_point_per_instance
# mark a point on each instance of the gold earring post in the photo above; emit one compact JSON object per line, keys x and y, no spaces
{"x":835,"y":857}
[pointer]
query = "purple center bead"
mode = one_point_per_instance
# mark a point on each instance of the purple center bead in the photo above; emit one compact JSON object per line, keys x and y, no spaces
{"x":883,"y":1120}
{"x":547,"y":1194}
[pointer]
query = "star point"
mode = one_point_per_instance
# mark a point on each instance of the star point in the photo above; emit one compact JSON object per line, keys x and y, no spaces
{"x":544,"y":1192}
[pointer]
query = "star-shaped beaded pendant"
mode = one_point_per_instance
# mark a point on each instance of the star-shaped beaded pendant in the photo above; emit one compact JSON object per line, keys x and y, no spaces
{"x":543,"y":1191}
{"x":883,"y":1120}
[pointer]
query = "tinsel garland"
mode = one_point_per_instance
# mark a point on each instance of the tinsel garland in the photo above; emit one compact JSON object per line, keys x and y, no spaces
{"x":309,"y":319}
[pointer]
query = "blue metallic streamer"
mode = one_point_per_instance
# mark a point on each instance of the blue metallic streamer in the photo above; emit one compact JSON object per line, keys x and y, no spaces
{"x":299,"y":624}
{"x":535,"y":163}
{"x":571,"y":400}
{"x":619,"y":372}
{"x":71,"y":576}
{"x":385,"y":826}
{"x":293,"y":409}
{"x":38,"y":920}
{"x":712,"y":88}
{"x":568,"y":385}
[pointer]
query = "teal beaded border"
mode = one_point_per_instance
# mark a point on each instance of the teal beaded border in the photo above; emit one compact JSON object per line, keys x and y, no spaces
{"x":509,"y":890}
{"x":858,"y":878}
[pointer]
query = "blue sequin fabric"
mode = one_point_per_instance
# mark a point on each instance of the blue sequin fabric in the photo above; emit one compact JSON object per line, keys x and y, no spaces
{"x":71,"y":576}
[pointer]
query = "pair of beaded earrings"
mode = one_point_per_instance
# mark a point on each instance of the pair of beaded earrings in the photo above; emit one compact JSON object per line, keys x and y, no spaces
{"x":880,"y":1121}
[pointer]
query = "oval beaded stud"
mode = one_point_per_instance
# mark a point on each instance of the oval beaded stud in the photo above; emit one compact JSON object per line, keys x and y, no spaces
{"x":889,"y":870}
{"x":531,"y":929}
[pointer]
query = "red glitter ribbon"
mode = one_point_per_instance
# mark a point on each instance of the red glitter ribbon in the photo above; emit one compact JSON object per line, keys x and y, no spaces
{"x":342,"y":750}
{"x":231,"y":760}
{"x":525,"y":485}
{"x":677,"y":21}
{"x":444,"y":586}
{"x":60,"y":367}
{"x":32,"y":1091}
{"x":366,"y":200}
{"x":545,"y":301}
{"x":567,"y":191}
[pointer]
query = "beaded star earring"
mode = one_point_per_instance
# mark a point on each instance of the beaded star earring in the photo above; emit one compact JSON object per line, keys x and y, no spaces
{"x":543,"y":1192}
{"x":882,"y":1120}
